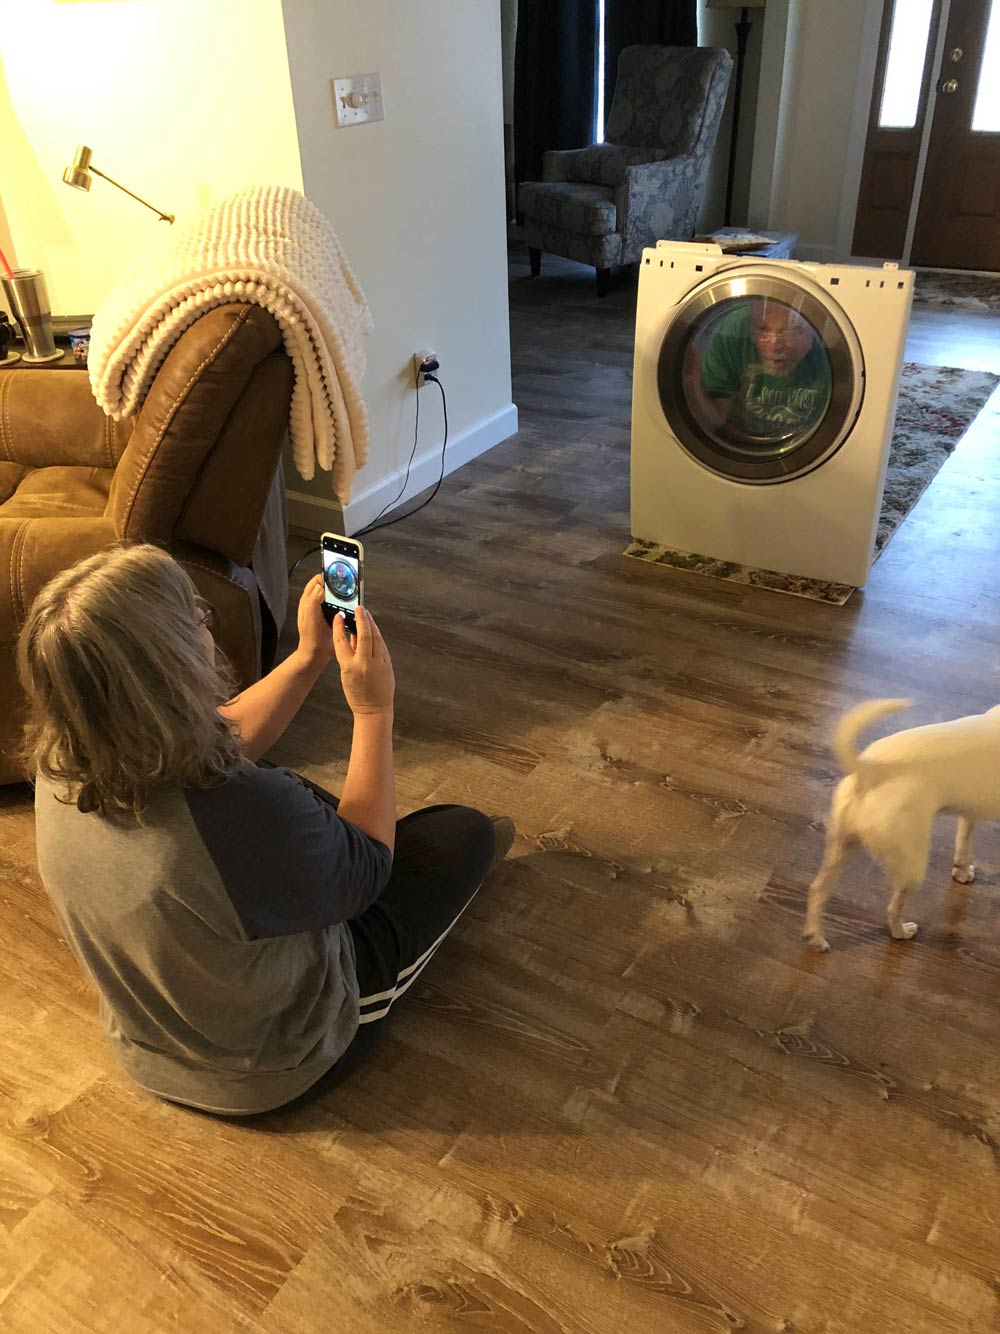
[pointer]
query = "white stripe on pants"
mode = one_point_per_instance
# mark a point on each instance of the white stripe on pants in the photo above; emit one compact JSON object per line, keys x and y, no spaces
{"x":405,"y":978}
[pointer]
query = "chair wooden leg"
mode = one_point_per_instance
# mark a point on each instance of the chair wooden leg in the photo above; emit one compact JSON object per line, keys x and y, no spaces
{"x":603,"y":278}
{"x":535,"y":258}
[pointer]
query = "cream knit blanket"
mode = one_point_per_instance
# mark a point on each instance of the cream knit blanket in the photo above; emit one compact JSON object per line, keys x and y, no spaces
{"x":269,"y":246}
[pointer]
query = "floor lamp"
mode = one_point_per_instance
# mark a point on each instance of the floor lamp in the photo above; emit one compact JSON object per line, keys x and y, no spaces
{"x":743,"y":27}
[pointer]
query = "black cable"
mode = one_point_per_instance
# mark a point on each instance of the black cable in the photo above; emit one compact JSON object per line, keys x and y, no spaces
{"x":374,"y":526}
{"x":311,"y":552}
{"x":437,"y":485}
{"x":390,"y":504}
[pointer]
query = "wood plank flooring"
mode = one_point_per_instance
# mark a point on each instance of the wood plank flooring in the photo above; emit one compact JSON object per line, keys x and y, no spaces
{"x":623,"y":1097}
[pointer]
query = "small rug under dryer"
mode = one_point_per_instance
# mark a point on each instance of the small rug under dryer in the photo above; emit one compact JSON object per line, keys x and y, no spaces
{"x":816,"y":589}
{"x":936,"y":406}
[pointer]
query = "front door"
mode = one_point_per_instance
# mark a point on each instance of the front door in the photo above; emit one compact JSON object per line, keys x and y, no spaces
{"x":958,"y":219}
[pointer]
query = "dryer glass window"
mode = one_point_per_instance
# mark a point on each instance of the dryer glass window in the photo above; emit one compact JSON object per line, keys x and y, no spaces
{"x":756,"y":377}
{"x":759,"y":376}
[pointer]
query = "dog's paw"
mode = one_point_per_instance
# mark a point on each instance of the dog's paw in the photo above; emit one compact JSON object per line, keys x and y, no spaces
{"x":905,"y":931}
{"x":816,"y":941}
{"x":964,"y":875}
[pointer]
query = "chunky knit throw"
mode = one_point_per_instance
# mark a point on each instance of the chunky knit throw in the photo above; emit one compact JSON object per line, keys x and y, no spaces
{"x":271,"y":247}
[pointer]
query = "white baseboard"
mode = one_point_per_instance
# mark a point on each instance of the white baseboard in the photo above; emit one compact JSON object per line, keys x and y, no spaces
{"x":311,"y":515}
{"x":308,"y":516}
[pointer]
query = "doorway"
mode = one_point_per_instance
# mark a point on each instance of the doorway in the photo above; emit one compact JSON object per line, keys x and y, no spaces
{"x":930,"y":182}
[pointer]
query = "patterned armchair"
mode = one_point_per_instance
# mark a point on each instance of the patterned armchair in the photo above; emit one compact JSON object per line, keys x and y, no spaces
{"x":603,"y":204}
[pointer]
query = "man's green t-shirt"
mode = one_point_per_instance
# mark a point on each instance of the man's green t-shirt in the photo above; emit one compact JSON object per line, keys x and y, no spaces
{"x":767,"y":406}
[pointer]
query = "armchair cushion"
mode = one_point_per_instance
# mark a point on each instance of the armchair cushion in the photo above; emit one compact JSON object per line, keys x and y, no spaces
{"x":63,"y":492}
{"x":11,"y":477}
{"x":49,"y":418}
{"x":588,"y":210}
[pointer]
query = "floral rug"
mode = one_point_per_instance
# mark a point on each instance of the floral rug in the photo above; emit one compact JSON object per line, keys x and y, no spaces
{"x":936,"y":405}
{"x":967,"y":291}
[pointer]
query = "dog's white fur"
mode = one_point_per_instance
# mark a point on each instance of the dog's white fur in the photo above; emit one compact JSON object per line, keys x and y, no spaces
{"x":891,"y":794}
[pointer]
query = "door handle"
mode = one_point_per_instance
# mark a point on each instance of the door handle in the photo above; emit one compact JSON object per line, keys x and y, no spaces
{"x":949,"y":86}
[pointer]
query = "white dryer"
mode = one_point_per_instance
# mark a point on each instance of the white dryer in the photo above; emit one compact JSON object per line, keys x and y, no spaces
{"x":763,"y":400}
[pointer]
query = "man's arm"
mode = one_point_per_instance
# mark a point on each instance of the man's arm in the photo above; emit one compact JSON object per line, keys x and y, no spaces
{"x":264,"y":710}
{"x":713,"y":409}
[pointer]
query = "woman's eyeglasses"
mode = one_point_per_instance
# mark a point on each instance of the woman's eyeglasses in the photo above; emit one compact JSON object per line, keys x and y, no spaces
{"x":205,"y":611}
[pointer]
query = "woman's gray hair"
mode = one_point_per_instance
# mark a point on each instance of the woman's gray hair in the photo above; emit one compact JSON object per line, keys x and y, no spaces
{"x":123,"y":698}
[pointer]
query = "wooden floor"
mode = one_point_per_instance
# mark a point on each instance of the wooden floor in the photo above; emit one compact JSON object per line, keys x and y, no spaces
{"x":625,"y":1099}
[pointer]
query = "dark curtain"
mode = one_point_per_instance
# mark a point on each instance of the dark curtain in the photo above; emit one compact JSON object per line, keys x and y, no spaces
{"x":555,"y":61}
{"x":644,"y":23}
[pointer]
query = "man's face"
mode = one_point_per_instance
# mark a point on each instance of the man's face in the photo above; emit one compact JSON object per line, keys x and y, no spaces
{"x":781,"y":336}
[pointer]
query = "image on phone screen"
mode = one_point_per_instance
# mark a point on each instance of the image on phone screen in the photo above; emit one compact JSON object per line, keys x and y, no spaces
{"x":341,"y":581}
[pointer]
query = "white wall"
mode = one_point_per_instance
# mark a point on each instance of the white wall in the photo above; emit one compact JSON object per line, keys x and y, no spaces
{"x":179,"y":99}
{"x":817,"y":70}
{"x":418,"y":203}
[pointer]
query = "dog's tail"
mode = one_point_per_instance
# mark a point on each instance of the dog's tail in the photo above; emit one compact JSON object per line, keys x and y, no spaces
{"x":855,"y":721}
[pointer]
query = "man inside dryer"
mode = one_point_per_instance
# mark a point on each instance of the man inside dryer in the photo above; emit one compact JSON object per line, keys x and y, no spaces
{"x":764,"y":375}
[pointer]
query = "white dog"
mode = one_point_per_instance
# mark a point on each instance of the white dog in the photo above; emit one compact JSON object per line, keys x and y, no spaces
{"x":891,"y":794}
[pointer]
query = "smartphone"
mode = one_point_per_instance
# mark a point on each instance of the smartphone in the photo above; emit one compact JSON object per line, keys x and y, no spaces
{"x":343,"y":578}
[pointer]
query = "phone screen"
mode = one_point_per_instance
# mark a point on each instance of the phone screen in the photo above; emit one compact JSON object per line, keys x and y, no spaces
{"x":341,"y":579}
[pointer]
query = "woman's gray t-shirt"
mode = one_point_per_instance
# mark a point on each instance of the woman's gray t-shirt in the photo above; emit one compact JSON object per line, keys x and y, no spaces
{"x":215,"y":932}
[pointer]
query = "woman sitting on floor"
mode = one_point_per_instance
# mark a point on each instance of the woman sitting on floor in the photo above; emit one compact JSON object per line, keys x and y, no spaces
{"x":247,"y":933}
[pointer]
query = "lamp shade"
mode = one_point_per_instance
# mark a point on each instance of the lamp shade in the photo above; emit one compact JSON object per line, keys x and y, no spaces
{"x":78,"y":175}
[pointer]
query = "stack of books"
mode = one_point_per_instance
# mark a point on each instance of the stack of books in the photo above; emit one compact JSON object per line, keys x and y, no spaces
{"x":731,"y":239}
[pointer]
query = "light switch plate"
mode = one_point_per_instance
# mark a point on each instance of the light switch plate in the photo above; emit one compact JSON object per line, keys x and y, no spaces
{"x":358,"y":98}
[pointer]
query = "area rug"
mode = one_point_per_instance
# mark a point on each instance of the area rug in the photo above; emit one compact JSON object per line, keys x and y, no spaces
{"x":936,"y":406}
{"x":966,"y":291}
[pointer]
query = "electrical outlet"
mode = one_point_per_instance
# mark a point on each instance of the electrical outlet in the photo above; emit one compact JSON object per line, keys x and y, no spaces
{"x":425,"y":359}
{"x":358,"y":98}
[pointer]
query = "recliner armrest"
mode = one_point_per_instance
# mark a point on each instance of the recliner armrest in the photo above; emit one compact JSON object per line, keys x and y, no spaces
{"x":50,"y":417}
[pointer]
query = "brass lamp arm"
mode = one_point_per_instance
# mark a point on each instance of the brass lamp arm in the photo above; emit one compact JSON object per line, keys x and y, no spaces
{"x":164,"y":217}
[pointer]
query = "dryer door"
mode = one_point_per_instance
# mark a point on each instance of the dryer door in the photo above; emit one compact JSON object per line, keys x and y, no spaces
{"x":758,"y":378}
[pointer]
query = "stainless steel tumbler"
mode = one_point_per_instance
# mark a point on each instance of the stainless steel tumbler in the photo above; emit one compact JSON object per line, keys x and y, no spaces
{"x":28,"y":299}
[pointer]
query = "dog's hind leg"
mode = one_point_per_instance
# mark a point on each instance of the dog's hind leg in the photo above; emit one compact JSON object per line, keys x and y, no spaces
{"x":907,"y":867}
{"x":962,"y":868}
{"x":894,"y":824}
{"x":900,"y":889}
{"x":838,"y":836}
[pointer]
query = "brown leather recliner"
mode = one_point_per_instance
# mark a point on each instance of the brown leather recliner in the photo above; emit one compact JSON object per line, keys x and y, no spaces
{"x":192,"y":472}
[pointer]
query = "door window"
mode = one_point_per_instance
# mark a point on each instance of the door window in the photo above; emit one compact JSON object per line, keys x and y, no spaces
{"x":986,"y":112}
{"x":904,"y":70}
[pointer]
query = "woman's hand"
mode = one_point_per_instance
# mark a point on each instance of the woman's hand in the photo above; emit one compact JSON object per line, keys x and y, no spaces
{"x":315,"y":638}
{"x":365,"y":666}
